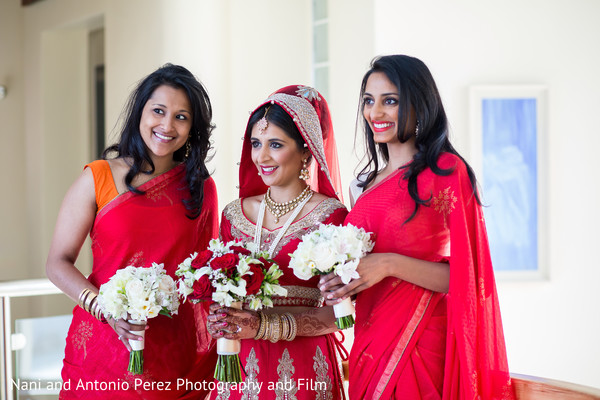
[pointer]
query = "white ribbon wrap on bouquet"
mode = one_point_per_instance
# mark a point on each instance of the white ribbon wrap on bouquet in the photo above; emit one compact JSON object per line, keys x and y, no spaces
{"x":344,"y":308}
{"x":137,"y":344}
{"x":229,"y":347}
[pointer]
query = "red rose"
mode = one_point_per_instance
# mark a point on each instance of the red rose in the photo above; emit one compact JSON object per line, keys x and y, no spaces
{"x":226,"y":262}
{"x":254,"y":281}
{"x":202,"y":289}
{"x":240,"y":250}
{"x":266,"y":263}
{"x":202,"y":259}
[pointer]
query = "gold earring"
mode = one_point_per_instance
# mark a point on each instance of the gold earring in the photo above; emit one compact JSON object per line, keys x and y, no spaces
{"x":188,"y":148}
{"x":304,"y":173}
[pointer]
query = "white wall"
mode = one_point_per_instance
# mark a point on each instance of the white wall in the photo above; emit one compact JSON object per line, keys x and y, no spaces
{"x":551,"y":327}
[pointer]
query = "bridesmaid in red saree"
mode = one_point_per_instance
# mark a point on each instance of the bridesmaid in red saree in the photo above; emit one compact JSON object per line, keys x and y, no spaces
{"x":286,"y":135}
{"x":154,"y":202}
{"x":428,"y":322}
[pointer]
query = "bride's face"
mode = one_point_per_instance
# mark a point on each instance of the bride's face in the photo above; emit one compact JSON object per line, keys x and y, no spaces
{"x":276,"y":156}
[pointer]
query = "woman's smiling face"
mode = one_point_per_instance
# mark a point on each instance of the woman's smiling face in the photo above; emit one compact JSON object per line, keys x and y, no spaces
{"x":166,"y":121}
{"x":276,"y":156}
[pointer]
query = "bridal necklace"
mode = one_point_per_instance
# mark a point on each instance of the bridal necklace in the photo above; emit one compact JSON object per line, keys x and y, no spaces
{"x":299,"y":203}
{"x":280,"y":209}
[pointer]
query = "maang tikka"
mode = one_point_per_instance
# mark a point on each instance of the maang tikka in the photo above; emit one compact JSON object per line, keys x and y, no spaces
{"x":262,"y":123}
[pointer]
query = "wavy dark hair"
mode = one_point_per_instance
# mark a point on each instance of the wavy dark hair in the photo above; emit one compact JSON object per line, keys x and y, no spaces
{"x":416,"y":89}
{"x":132,"y":145}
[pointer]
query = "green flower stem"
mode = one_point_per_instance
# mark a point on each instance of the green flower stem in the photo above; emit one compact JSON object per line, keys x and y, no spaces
{"x":229,"y":368}
{"x":345,"y":322}
{"x":136,"y":362}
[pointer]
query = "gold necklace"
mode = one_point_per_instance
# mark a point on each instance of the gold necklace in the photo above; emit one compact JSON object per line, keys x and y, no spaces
{"x":280,"y":209}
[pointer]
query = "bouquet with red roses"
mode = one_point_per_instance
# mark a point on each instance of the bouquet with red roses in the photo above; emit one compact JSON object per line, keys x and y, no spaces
{"x":230,"y":274}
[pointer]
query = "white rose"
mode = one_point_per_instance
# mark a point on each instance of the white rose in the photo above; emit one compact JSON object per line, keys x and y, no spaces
{"x":324,"y":257}
{"x":134,"y":290}
{"x":166,"y":284}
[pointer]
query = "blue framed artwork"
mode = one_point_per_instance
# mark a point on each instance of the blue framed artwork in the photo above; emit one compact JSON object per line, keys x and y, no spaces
{"x":507,"y":153}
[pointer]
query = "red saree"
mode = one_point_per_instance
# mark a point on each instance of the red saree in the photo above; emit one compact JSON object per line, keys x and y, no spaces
{"x":307,"y":367}
{"x":412,"y":343}
{"x":138,"y":230}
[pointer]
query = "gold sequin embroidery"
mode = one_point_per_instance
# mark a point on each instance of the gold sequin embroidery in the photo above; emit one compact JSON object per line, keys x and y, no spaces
{"x":481,"y":291}
{"x":243,"y":230}
{"x":82,"y":335}
{"x":444,"y":202}
{"x":251,"y":390}
{"x":306,"y":119}
{"x":137,"y":259}
{"x":323,"y":386}
{"x":286,"y":387}
{"x":299,"y":296}
{"x":158,"y":191}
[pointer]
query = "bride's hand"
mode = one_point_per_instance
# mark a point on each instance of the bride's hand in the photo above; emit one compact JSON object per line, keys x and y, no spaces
{"x":231,"y":323}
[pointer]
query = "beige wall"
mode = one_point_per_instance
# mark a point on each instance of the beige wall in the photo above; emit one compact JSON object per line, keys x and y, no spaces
{"x":13,"y":210}
{"x":551,"y":326}
{"x":243,"y":50}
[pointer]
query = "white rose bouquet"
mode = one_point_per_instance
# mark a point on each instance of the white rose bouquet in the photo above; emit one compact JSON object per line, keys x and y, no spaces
{"x":230,"y":274}
{"x":138,"y":294}
{"x":335,"y":249}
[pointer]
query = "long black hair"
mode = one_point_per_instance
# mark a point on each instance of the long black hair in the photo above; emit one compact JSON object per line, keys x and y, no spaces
{"x":132,"y":145}
{"x":416,"y":89}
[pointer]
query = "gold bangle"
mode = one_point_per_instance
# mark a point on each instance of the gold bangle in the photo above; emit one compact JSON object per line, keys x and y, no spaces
{"x":293,"y":327}
{"x":268,"y":327}
{"x":276,"y":325}
{"x":285,"y":326}
{"x":89,"y":301}
{"x":82,"y":296}
{"x":262,"y":327}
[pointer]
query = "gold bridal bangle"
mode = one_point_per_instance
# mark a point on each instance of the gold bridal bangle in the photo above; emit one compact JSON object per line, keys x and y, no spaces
{"x":88,"y":300}
{"x":276,"y":327}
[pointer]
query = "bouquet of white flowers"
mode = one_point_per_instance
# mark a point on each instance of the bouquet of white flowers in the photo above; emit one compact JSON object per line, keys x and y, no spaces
{"x":138,"y":294}
{"x":230,"y":274}
{"x":335,"y":249}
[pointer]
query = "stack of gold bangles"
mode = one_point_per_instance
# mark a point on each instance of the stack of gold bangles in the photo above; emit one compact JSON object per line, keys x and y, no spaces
{"x":88,"y":300}
{"x":275,"y":327}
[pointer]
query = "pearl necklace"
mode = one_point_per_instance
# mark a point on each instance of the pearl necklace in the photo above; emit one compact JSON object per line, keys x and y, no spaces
{"x":280,"y":209}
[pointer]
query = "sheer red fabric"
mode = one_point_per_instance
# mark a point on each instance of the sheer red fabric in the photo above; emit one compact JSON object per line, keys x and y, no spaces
{"x":179,"y":354}
{"x":411,"y":343}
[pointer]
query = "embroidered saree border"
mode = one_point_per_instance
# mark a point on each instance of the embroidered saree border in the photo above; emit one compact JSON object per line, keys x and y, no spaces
{"x":407,"y":335}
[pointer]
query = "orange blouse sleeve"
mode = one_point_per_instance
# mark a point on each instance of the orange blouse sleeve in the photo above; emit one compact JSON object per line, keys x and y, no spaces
{"x":104,"y":183}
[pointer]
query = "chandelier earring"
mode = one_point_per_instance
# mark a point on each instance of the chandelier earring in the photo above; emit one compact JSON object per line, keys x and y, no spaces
{"x":188,"y":149}
{"x":417,"y":129}
{"x":304,"y":173}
